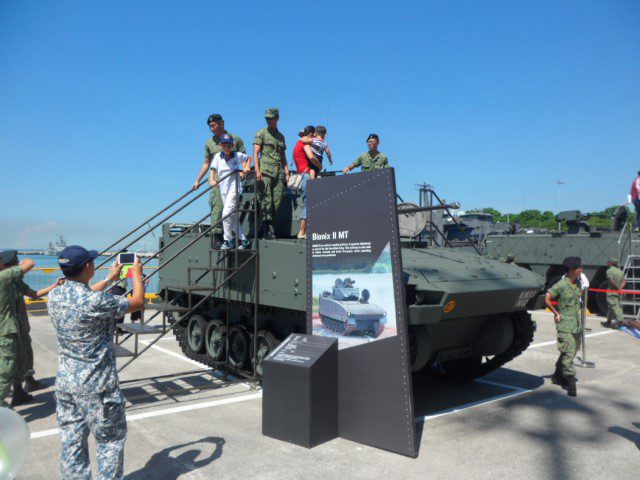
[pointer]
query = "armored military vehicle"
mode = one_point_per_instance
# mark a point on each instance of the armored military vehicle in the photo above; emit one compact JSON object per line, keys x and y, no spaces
{"x":544,"y":253}
{"x":345,"y":311}
{"x":467,"y":314}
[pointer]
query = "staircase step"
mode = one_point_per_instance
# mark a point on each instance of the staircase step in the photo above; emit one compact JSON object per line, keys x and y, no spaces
{"x":123,"y":352}
{"x":166,"y":307}
{"x":234,"y":249}
{"x":140,"y":328}
{"x":191,"y":288}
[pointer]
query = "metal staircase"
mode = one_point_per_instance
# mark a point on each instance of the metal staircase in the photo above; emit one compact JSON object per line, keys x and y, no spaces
{"x":224,"y":265}
{"x":631,"y":301}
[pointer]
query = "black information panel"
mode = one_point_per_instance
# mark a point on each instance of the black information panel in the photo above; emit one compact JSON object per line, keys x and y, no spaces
{"x":354,"y":271}
{"x":300,"y":390}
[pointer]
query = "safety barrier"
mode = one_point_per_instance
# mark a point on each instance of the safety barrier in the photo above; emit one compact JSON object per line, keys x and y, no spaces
{"x":39,"y":278}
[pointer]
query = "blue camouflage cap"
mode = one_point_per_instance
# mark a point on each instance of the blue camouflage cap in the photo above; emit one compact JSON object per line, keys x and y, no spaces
{"x":7,"y":256}
{"x":75,"y":256}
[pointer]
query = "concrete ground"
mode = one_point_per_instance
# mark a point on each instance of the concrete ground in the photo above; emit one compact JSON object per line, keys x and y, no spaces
{"x":186,"y":423}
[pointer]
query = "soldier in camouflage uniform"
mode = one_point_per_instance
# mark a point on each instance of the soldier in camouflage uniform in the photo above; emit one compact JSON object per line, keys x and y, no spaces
{"x":568,"y":324}
{"x":216,"y":124}
{"x":615,"y":316}
{"x":10,"y":277}
{"x":88,"y":397}
{"x":272,"y":171}
{"x":372,"y":160}
{"x":25,"y":351}
{"x":616,"y":279}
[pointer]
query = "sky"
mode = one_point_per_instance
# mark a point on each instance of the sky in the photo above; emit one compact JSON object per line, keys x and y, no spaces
{"x":103,"y":105}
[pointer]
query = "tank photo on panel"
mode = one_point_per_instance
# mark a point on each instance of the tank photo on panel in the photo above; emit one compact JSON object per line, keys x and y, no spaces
{"x":355,"y":307}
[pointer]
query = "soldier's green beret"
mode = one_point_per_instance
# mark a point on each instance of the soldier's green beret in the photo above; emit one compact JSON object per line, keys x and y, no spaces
{"x":511,"y":256}
{"x":613,"y":260}
{"x":272,"y":113}
{"x":214,"y":117}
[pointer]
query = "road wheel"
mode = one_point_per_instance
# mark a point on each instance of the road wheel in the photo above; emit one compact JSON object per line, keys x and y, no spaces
{"x":196,"y":328}
{"x":239,"y":347}
{"x":215,"y":339}
{"x":266,"y":344}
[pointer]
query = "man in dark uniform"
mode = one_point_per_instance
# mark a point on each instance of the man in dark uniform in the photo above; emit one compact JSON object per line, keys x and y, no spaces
{"x":371,"y":160}
{"x":272,"y":171}
{"x":216,"y":124}
{"x":568,"y":323}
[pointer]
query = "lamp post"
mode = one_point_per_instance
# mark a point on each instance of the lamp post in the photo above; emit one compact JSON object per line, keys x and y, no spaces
{"x":559,"y":183}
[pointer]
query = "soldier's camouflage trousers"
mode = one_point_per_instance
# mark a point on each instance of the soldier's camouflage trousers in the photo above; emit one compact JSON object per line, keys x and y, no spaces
{"x":103,"y":415}
{"x":215,"y":202}
{"x":271,"y":192}
{"x":25,"y":351}
{"x":614,"y":311}
{"x":8,"y":365}
{"x":568,"y":345}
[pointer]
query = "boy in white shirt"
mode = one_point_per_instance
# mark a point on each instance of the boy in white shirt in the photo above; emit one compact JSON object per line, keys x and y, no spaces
{"x":222,"y":165}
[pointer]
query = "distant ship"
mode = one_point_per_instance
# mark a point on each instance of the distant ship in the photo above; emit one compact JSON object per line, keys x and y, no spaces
{"x":56,"y":248}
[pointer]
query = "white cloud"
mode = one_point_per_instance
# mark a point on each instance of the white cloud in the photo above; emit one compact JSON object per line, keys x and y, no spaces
{"x":27,"y":234}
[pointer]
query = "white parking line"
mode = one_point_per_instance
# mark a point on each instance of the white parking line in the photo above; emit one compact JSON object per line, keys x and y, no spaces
{"x":166,"y":411}
{"x":176,"y":355}
{"x":216,"y":373}
{"x":553,"y":342}
{"x":516,"y":391}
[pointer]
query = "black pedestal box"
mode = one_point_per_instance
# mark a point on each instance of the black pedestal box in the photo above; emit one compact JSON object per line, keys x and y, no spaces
{"x":300,"y":390}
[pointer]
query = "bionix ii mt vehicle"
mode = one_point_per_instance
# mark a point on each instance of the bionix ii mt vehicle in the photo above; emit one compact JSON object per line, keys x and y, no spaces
{"x":467,"y":314}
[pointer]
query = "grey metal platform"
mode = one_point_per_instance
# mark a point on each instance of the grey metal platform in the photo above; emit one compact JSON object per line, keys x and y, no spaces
{"x":138,"y":328}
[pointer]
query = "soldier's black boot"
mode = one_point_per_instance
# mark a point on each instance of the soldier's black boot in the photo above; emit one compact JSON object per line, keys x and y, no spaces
{"x":32,"y":385}
{"x":268,"y":231}
{"x":217,"y":241}
{"x":19,"y":395}
{"x":558,"y":378}
{"x":571,"y":386}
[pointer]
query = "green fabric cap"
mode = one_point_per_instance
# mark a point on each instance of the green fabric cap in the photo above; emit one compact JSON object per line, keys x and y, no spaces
{"x":511,"y":256}
{"x":271,"y":113}
{"x":613,"y":260}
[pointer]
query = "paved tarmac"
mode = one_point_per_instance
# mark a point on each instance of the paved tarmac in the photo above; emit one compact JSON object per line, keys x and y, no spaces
{"x":184,"y":422}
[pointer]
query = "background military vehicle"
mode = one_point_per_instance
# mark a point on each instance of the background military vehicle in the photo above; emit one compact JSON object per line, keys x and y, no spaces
{"x":467,"y":314}
{"x":475,"y":227}
{"x":343,"y":310}
{"x":544,"y":253}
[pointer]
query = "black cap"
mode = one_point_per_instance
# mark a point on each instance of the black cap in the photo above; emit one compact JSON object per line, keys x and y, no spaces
{"x":214,"y":117}
{"x":373,"y":135}
{"x":7,"y":256}
{"x":572,"y":263}
{"x":75,"y":256}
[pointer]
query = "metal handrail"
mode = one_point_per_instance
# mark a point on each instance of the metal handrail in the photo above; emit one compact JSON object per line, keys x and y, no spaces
{"x":159,"y":222}
{"x":178,"y":253}
{"x":151,"y":218}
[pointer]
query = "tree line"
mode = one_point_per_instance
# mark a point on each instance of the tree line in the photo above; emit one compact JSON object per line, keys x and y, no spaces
{"x":547,"y":219}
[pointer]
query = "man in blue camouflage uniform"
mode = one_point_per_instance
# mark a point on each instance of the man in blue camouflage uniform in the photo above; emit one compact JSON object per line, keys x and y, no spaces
{"x":87,"y":391}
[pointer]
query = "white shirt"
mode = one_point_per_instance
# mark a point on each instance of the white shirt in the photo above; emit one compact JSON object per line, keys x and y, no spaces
{"x":584,"y":281}
{"x":223,"y":166}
